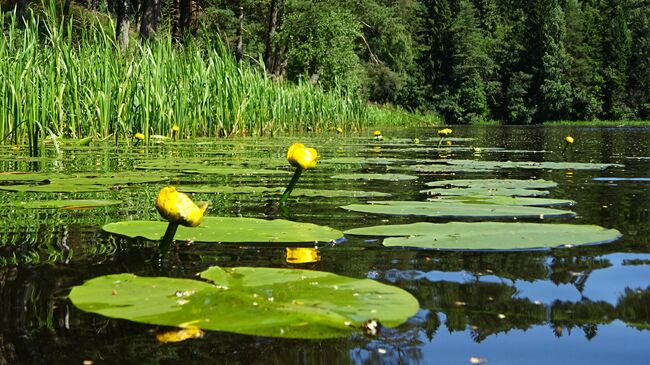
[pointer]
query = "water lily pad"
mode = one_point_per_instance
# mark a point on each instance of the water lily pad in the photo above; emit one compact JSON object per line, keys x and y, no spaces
{"x":485,"y":191}
{"x":64,"y":204}
{"x":224,"y":189}
{"x":229,"y":170}
{"x":286,"y":303}
{"x":383,"y":177}
{"x":8,"y":177}
{"x":532,"y":165}
{"x":621,"y":179}
{"x":84,"y":183}
{"x":505,"y":200}
{"x":451,"y":209}
{"x":489,"y":235}
{"x":364,"y":160}
{"x":495,"y":183}
{"x":230,"y":230}
{"x":447,"y":168}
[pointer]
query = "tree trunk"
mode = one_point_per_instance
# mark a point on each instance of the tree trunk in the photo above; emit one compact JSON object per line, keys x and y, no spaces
{"x":269,"y":60}
{"x":149,"y":18}
{"x":185,"y":16}
{"x":240,"y":41}
{"x":122,"y":29}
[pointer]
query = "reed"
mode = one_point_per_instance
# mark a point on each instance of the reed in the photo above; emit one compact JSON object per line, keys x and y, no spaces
{"x":78,"y":83}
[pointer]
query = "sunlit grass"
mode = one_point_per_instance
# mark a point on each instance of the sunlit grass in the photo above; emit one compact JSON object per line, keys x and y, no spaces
{"x":76,"y":83}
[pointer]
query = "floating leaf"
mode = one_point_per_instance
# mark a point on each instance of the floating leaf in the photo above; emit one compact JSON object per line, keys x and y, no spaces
{"x":64,"y":204}
{"x":495,"y":183}
{"x":505,"y":200}
{"x":287,"y":303}
{"x":450,"y":209}
{"x":383,"y":177}
{"x":364,"y":160}
{"x":83,"y":183}
{"x":485,"y":191}
{"x":224,"y":189}
{"x":230,"y":230}
{"x":228,"y":170}
{"x":489,"y":235}
{"x":446,"y":169}
{"x":621,"y":179}
{"x":532,"y":165}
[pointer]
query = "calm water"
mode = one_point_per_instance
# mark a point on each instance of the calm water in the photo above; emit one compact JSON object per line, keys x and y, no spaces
{"x":579,"y":305}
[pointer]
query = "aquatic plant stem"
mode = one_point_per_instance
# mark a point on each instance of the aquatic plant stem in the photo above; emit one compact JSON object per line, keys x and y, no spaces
{"x":292,"y":184}
{"x":440,"y":142}
{"x":167,"y":240}
{"x":565,"y":147}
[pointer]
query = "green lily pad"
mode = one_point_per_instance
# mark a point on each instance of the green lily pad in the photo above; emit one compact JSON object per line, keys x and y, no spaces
{"x":532,"y":165}
{"x":450,"y":209}
{"x":489,"y":235}
{"x":224,"y":189}
{"x":24,"y":177}
{"x":485,"y":191}
{"x":286,"y":303}
{"x":364,"y":160}
{"x":230,"y":230}
{"x":446,"y":169}
{"x":64,"y":204}
{"x":505,"y":200}
{"x":85,"y":183}
{"x":495,"y":183}
{"x":383,"y":177}
{"x":228,"y":170}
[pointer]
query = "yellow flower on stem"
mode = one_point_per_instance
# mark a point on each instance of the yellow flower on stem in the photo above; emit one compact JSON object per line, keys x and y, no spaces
{"x":569,"y":140}
{"x":175,"y":130}
{"x":377,"y":135}
{"x":138,"y":137}
{"x":302,"y":255}
{"x":442,"y":133}
{"x":178,"y":209}
{"x":302,"y":158}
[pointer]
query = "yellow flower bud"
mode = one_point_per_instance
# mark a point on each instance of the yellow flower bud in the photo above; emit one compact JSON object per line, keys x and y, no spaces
{"x":376,"y":133}
{"x":139,"y":136}
{"x":302,"y":157}
{"x":339,"y":129}
{"x":302,"y":255}
{"x":569,"y":139}
{"x":178,"y":208}
{"x":175,"y":128}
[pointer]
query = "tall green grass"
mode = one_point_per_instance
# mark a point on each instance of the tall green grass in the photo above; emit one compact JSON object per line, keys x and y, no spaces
{"x":60,"y":81}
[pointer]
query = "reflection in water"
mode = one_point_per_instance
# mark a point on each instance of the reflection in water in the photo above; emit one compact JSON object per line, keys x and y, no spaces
{"x":302,"y":255}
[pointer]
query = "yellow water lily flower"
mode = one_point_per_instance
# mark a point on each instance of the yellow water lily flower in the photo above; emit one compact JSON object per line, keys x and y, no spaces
{"x":302,"y":255}
{"x":339,"y":129}
{"x":376,"y":133}
{"x":302,"y":157}
{"x":569,"y":139}
{"x":178,"y":208}
{"x":444,"y":132}
{"x":175,"y":128}
{"x":139,"y":136}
